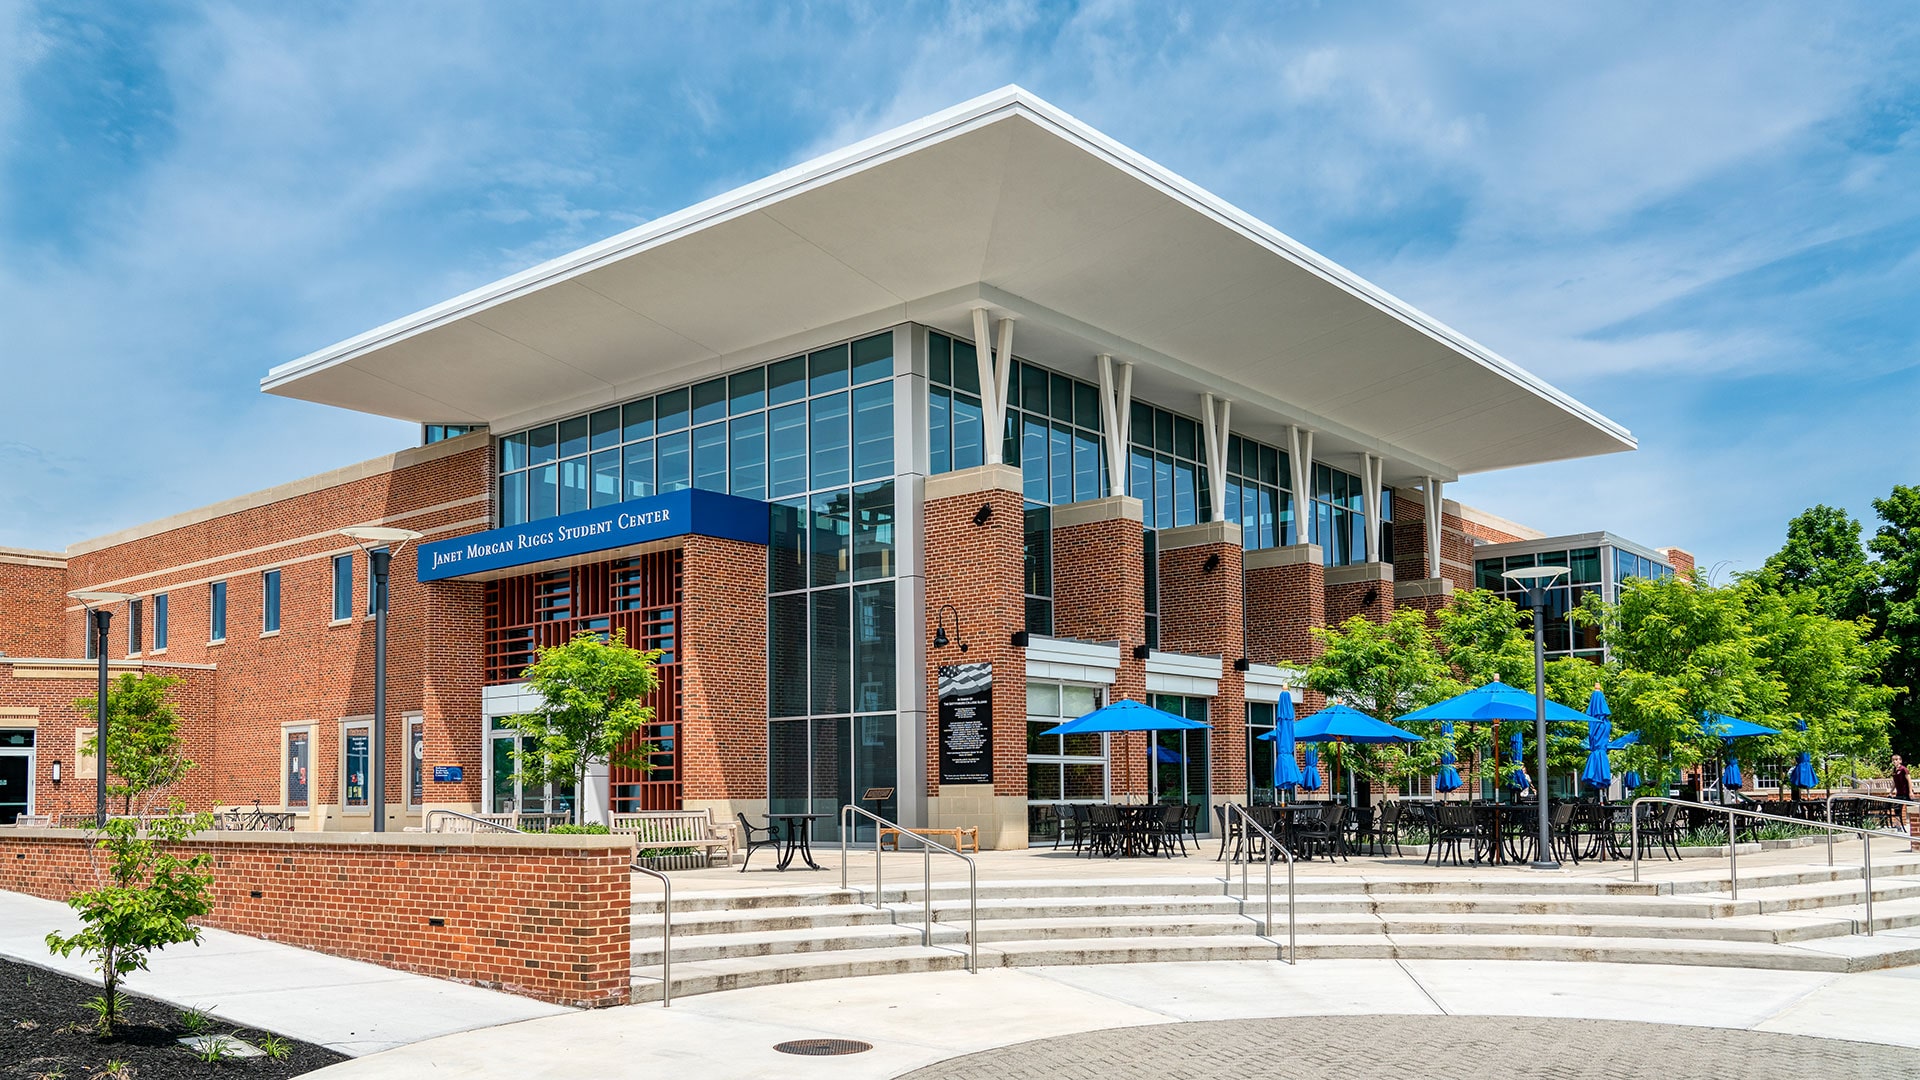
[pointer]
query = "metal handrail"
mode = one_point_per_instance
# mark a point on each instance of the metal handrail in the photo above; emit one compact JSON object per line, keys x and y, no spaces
{"x":1864,"y":797}
{"x":476,"y":819}
{"x":1733,"y":859}
{"x":666,"y":933}
{"x":927,"y":847}
{"x":1273,"y":844}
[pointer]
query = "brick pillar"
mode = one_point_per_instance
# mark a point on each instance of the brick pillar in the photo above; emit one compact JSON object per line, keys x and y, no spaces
{"x":1099,"y":594}
{"x":1286,"y":596}
{"x":723,"y":677}
{"x":454,"y":670}
{"x":1204,"y":611}
{"x":1410,"y":537}
{"x":1363,"y":589}
{"x":1427,"y":594}
{"x":978,"y":568}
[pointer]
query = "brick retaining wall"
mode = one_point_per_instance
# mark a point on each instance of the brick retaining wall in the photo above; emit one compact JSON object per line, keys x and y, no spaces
{"x":541,"y":916}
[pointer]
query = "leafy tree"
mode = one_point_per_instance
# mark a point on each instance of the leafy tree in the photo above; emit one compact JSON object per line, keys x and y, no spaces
{"x":1485,"y":637}
{"x":1823,"y":556}
{"x":1829,"y":673}
{"x":146,"y":903}
{"x":591,"y":692}
{"x":1897,"y":543}
{"x":143,"y":737}
{"x":1385,"y":670}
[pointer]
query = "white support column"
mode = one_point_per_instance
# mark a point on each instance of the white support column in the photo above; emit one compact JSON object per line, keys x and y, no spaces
{"x":1432,"y":493}
{"x":1372,"y":470}
{"x":1300,"y":462}
{"x":1116,"y":417}
{"x":996,"y":367}
{"x":1214,"y":427}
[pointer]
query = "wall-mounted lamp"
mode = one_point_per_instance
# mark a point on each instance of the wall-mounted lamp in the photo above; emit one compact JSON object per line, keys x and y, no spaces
{"x":1212,"y":563}
{"x":1141,"y":652}
{"x":1243,"y":664}
{"x":56,"y":770}
{"x":1368,"y":600}
{"x":1020,"y":639}
{"x":984,"y":514}
{"x":940,"y":638}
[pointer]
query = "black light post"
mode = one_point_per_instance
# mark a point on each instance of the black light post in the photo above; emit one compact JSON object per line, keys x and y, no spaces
{"x":1536,"y":579}
{"x":380,"y":561}
{"x":98,"y":621}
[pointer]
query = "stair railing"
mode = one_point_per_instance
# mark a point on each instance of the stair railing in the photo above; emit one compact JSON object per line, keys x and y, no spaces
{"x":666,"y":932}
{"x":1250,"y":827}
{"x":927,"y":847}
{"x":1733,"y":857}
{"x":1863,"y":797}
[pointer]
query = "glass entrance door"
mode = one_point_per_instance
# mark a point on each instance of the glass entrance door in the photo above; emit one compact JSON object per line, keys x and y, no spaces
{"x":1178,"y":761}
{"x":16,"y":784}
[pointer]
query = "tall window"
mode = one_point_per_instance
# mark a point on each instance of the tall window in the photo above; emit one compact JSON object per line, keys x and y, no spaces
{"x":356,"y":763}
{"x":342,"y":587}
{"x":159,"y":621}
{"x":270,"y":602}
{"x":217,"y":611}
{"x":1177,"y":761}
{"x":1560,"y":636}
{"x":134,"y":636}
{"x":1262,"y":754}
{"x":1151,"y":545}
{"x":299,"y":761}
{"x":1037,"y":547}
{"x":1339,"y":517}
{"x":1061,"y":768}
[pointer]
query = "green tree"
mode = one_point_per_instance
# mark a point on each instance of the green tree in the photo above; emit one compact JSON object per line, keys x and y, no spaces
{"x":1829,"y":673}
{"x":1385,"y":670}
{"x":143,"y":737}
{"x":1823,"y":555}
{"x":1485,"y":637}
{"x":146,"y":903}
{"x":1897,"y":543}
{"x":592,"y":693}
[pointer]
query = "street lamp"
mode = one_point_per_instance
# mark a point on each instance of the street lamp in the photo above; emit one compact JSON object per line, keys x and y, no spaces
{"x":99,"y":617}
{"x":1536,"y":579}
{"x":379,"y":559}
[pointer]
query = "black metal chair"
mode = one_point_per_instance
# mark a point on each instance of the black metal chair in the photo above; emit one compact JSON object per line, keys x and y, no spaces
{"x":1387,"y":829}
{"x":1452,"y":828}
{"x":1103,"y":830}
{"x":1172,"y":830}
{"x":766,"y":838}
{"x":1229,"y":833}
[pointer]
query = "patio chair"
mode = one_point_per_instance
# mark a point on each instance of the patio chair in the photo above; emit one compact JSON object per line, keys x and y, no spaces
{"x":1172,"y":830}
{"x":1359,"y":835}
{"x":754,"y":837}
{"x":1229,"y":833}
{"x":1103,"y":829}
{"x":1192,"y":823}
{"x":1041,"y":816}
{"x":1561,"y":827}
{"x":1387,"y":830}
{"x":1452,"y":827}
{"x":1073,"y":825}
{"x":1317,"y":831}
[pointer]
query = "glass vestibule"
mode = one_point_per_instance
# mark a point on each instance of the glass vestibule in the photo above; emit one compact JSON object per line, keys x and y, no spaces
{"x":1061,"y":768}
{"x":1178,"y":761}
{"x":817,"y":766}
{"x":507,"y":793}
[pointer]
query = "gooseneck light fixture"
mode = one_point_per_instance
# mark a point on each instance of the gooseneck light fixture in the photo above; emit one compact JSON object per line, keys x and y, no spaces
{"x":380,"y":560}
{"x":940,"y":639}
{"x":1537,"y":579}
{"x":99,"y":618}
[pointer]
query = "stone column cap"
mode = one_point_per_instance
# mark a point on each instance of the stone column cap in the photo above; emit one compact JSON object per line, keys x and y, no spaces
{"x":1423,"y":587}
{"x":1198,"y":535}
{"x":1358,"y":572}
{"x":1094,"y":511}
{"x":1291,"y":555}
{"x":974,"y":481}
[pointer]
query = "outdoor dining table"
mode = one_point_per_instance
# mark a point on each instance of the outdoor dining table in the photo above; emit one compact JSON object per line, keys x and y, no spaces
{"x":798,"y":831}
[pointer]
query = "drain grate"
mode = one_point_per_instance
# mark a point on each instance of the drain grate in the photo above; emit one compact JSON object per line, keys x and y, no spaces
{"x":822,"y":1047}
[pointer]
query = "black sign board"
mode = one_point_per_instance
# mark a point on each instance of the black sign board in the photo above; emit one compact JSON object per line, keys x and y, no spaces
{"x":966,"y":723}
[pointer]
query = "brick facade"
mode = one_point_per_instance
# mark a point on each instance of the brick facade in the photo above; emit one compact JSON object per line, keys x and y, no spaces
{"x":1202,"y":610}
{"x":1099,"y":594}
{"x":1363,"y":589}
{"x":1286,"y":597}
{"x":544,"y":917}
{"x":723,"y":671}
{"x":33,"y":589}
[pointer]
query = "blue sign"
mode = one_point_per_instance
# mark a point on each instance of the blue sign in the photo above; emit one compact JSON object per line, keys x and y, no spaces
{"x":688,"y":512}
{"x":447,"y":774}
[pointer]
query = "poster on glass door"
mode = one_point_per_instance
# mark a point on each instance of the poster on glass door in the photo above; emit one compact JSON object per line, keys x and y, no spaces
{"x":966,"y":723}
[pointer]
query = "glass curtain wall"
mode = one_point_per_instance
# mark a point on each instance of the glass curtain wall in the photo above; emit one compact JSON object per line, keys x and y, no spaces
{"x":1061,"y":768}
{"x":1561,"y":636}
{"x":1177,"y":761}
{"x":1340,"y":517}
{"x":1262,"y":754}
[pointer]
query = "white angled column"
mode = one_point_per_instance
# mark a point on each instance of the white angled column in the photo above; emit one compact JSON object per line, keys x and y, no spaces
{"x":1300,"y":464}
{"x":993,"y":351}
{"x":1434,"y":504}
{"x":1216,"y":415}
{"x":1116,"y":417}
{"x":1372,"y":469}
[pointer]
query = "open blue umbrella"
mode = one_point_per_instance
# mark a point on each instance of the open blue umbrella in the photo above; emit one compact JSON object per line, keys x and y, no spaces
{"x":1311,"y":778}
{"x":1598,"y":771}
{"x":1731,"y":778}
{"x":1624,"y":741}
{"x":1519,"y":781}
{"x":1495,"y":701}
{"x":1801,"y":776}
{"x":1448,"y":779}
{"x":1338,"y":723}
{"x":1728,"y":727}
{"x":1125,"y":715}
{"x":1286,"y":771}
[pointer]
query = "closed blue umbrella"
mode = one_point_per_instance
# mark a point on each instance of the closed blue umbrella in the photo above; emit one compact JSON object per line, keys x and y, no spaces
{"x":1286,"y":771}
{"x":1731,"y":778}
{"x":1311,"y":778}
{"x":1632,"y":780}
{"x":1519,"y":781}
{"x":1168,"y":756}
{"x":1598,"y":771}
{"x":1448,"y":779}
{"x":1801,"y":775}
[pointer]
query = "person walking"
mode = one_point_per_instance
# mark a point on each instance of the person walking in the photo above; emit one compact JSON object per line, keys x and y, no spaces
{"x":1902,"y":790}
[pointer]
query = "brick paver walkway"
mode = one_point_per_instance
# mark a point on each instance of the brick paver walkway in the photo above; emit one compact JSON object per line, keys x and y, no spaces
{"x":1431,"y":1047}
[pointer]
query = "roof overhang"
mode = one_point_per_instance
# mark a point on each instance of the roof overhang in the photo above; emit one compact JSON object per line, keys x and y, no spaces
{"x":1003,"y":201}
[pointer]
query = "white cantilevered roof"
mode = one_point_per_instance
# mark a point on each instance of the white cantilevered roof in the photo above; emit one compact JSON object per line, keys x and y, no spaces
{"x":1003,"y":201}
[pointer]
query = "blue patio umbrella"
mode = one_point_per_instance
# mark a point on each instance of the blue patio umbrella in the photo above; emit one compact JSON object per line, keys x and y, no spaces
{"x":1286,"y":771}
{"x":1629,"y":739}
{"x":1801,"y":776}
{"x":1311,"y":778}
{"x":1728,"y":727}
{"x":1448,"y":779}
{"x":1631,"y":780}
{"x":1125,"y":715}
{"x":1731,"y":778}
{"x":1598,"y":771}
{"x":1519,"y":781}
{"x":1168,"y":756}
{"x":1496,"y":701}
{"x":1341,"y":724}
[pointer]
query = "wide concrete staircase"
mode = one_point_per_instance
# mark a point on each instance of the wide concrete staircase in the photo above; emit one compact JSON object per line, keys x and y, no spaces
{"x":1805,"y":917}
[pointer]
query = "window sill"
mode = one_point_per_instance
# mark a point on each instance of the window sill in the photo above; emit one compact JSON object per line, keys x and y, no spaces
{"x":340,"y":622}
{"x":133,"y":656}
{"x":157,"y":652}
{"x":264,"y":634}
{"x":216,"y":641}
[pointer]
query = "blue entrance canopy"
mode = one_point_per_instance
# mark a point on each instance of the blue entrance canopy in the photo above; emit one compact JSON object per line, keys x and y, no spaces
{"x":516,"y":548}
{"x":1338,"y":723}
{"x":1125,"y":715}
{"x":1495,"y":701}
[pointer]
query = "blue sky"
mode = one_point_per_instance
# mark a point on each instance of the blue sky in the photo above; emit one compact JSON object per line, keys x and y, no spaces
{"x":1702,"y":219}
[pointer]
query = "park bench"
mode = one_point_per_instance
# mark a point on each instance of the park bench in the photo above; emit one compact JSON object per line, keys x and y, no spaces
{"x":956,"y":837}
{"x":690,"y":830}
{"x":33,"y":821}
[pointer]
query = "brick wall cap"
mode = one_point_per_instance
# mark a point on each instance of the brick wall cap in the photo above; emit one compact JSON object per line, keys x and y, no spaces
{"x":1111,"y":508}
{"x":1291,"y":555}
{"x":94,"y":664}
{"x":32,"y":557}
{"x":975,"y":481}
{"x":384,"y":840}
{"x":1197,"y":535}
{"x":1354,"y":575}
{"x":1423,"y":587}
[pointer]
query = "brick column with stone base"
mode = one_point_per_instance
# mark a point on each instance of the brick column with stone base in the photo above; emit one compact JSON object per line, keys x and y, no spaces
{"x":1203,"y":610}
{"x":1286,"y":598}
{"x":974,"y":537}
{"x":1363,"y":589}
{"x":1099,"y":594}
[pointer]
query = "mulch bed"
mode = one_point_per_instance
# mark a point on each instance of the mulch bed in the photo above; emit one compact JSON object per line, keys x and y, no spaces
{"x":46,"y":1033}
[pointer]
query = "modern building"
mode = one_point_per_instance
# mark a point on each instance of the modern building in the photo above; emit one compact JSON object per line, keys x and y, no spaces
{"x":898,"y":457}
{"x":1597,"y":563}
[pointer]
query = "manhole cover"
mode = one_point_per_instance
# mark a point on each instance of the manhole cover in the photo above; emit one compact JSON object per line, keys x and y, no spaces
{"x":822,"y":1047}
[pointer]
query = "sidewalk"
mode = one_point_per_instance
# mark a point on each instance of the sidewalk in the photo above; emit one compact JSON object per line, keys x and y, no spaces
{"x":920,"y":1019}
{"x":344,"y":1005}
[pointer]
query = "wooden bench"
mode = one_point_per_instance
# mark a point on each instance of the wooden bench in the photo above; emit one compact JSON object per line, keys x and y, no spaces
{"x":688,"y":829}
{"x":960,"y":837}
{"x":33,"y":821}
